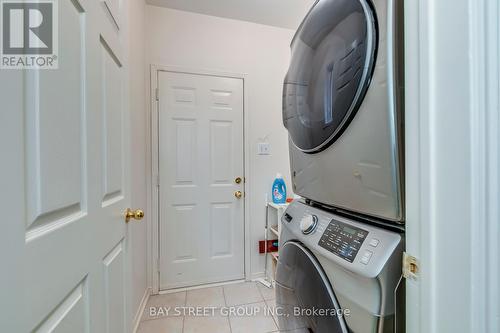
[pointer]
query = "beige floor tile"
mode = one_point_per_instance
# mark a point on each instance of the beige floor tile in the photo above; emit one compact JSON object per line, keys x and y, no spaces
{"x":168,"y":301}
{"x":252,"y":319}
{"x":206,"y":324}
{"x":206,"y":297}
{"x":271,"y":303}
{"x":164,"y":325}
{"x":267,"y":293}
{"x":291,"y":323}
{"x":242,"y":293}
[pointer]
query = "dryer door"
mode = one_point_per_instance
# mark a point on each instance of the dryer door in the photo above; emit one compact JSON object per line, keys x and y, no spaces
{"x":304,"y":296}
{"x":333,"y":56}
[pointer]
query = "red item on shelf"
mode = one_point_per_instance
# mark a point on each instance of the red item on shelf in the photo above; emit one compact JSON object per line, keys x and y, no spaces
{"x":270,"y":246}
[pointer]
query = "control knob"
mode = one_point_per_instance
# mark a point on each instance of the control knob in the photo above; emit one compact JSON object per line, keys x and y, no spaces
{"x":308,"y":224}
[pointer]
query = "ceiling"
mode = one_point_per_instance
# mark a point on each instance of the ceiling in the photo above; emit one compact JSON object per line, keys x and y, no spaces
{"x":279,"y":13}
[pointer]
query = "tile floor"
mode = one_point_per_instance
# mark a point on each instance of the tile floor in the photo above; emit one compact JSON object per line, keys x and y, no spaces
{"x":243,"y":297}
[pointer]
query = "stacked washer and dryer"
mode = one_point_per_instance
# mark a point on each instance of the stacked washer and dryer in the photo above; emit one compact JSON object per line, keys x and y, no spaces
{"x":342,"y":244}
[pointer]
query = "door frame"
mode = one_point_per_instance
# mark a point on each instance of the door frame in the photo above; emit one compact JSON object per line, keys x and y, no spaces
{"x":466,"y":262}
{"x":153,"y":175}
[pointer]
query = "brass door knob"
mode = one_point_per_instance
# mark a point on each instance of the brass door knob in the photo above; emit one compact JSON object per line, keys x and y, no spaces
{"x":238,"y":194}
{"x":237,"y":180}
{"x":133,"y":214}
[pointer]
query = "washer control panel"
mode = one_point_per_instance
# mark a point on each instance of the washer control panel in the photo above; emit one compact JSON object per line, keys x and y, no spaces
{"x":358,"y":247}
{"x":343,"y":239}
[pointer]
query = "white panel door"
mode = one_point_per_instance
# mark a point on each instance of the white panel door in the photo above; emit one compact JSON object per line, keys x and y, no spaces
{"x":200,"y":157}
{"x":67,"y":174}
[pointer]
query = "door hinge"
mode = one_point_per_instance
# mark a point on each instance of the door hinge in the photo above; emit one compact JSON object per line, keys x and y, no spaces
{"x":158,"y":180}
{"x":411,"y":266}
{"x":157,"y":95}
{"x":158,"y":265}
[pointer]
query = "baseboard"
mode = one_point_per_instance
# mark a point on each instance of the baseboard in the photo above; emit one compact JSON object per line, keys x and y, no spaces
{"x":140,"y":310}
{"x":202,"y":286}
{"x":257,"y":275}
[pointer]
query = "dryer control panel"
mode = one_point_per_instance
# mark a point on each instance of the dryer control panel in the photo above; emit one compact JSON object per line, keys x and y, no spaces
{"x":343,"y":239}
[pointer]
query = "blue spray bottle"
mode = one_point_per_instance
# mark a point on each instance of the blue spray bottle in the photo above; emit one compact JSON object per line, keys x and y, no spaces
{"x":279,"y":190}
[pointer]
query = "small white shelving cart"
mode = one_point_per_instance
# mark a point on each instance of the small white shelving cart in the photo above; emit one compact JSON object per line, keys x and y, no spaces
{"x":274,"y":212}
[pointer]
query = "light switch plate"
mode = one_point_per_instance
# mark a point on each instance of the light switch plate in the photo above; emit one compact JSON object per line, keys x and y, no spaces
{"x":263,"y":148}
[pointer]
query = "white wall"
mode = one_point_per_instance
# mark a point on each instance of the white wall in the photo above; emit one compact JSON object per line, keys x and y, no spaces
{"x":137,"y":232}
{"x":195,"y":41}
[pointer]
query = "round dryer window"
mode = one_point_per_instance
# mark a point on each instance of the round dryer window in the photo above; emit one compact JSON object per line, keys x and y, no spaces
{"x":304,"y":296}
{"x":333,"y":55}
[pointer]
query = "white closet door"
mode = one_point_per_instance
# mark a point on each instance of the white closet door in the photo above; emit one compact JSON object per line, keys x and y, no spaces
{"x":66,"y":180}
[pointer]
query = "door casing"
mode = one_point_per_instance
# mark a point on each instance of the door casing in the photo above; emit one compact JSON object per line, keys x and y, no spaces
{"x":153,"y":176}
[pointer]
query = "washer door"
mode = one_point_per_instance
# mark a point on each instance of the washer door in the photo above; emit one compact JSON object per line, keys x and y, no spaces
{"x":333,"y":56}
{"x":304,"y":297}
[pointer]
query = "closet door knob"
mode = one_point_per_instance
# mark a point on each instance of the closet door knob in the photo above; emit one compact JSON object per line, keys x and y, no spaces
{"x":133,"y":214}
